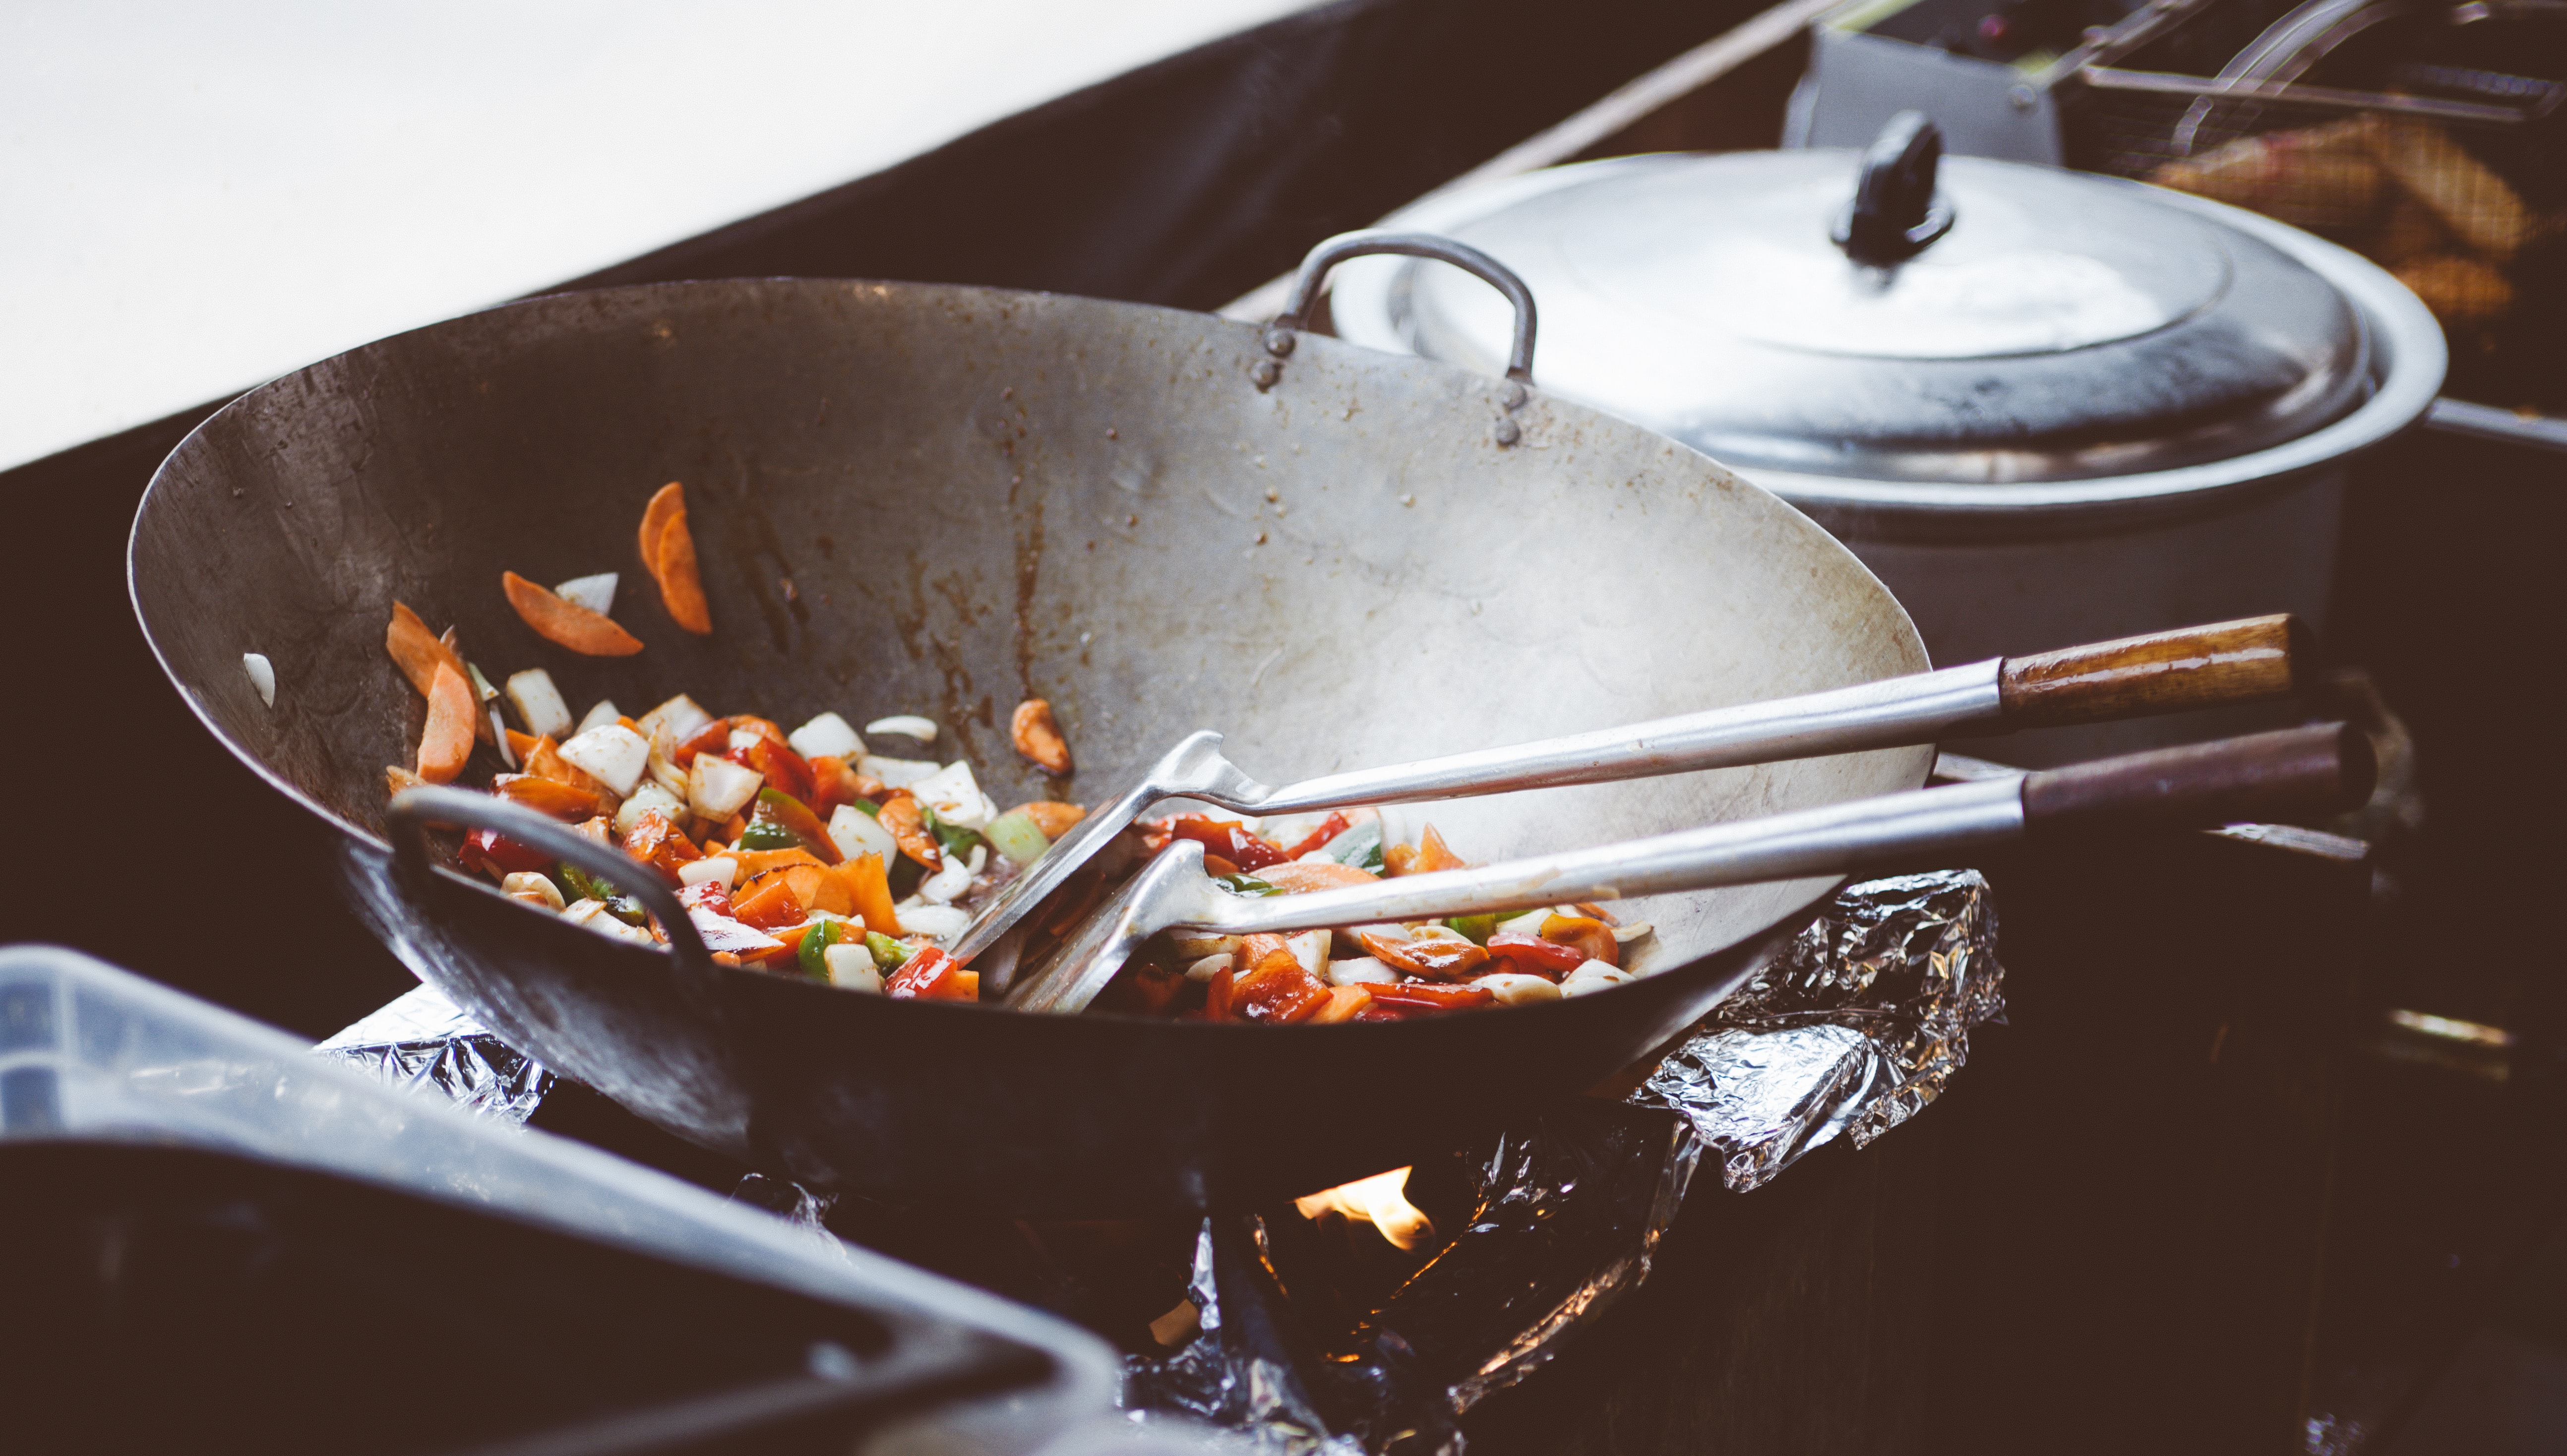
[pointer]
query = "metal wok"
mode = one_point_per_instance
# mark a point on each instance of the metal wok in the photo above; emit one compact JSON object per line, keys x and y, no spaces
{"x":939,"y":500}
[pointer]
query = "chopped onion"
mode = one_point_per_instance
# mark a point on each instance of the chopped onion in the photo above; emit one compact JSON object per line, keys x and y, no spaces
{"x":948,"y":884}
{"x":680,"y":716}
{"x":600,"y":715}
{"x":1018,"y":836}
{"x":896,"y":772}
{"x":1361,"y":970}
{"x":615,"y":755}
{"x":716,"y":788}
{"x":1196,"y":945}
{"x":262,"y":676}
{"x":646,"y":798}
{"x":856,"y":832}
{"x":852,"y":967}
{"x":1310,"y":947}
{"x":827,"y":736}
{"x":944,"y":922}
{"x":1593,"y":975}
{"x":1209,"y":966}
{"x":539,"y":703}
{"x":1515,"y":988}
{"x":534,"y":889}
{"x":1523,"y":924}
{"x":720,"y":867}
{"x":597,"y":593}
{"x":722,"y":932}
{"x":908,"y":726}
{"x":956,"y":796}
{"x":1623,"y":935}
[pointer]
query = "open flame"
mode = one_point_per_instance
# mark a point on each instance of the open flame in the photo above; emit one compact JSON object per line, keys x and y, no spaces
{"x":1381,"y":1200}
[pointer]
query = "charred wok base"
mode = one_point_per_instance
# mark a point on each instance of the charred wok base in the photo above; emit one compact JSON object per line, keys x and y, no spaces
{"x":978,"y":1107}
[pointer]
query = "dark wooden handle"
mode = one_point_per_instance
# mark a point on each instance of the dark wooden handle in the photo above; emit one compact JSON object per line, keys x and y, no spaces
{"x":2324,"y":768}
{"x":2163,"y":672}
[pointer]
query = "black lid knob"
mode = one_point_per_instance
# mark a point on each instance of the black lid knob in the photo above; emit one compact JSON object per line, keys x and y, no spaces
{"x":1895,"y":214}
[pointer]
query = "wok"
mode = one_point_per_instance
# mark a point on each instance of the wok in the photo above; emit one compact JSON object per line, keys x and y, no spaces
{"x":943,"y":500}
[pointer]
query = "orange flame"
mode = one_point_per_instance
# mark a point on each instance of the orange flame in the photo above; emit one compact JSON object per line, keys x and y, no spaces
{"x":1381,"y":1200}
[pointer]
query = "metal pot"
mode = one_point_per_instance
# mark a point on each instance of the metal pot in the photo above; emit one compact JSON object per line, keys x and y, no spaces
{"x":2042,"y":406}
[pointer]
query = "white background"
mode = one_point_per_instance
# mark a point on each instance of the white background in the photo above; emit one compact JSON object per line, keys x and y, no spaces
{"x":198,"y":197}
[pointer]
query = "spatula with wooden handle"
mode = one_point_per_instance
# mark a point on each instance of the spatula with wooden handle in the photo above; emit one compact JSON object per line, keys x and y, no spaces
{"x":2137,"y":676}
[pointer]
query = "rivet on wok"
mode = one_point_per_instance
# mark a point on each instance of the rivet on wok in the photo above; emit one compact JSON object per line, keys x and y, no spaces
{"x":1266,"y":372}
{"x":1278,"y":342}
{"x":1507,"y":434}
{"x":1515,"y":394}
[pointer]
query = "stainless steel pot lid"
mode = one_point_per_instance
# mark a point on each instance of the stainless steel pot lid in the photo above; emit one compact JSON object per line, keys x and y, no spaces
{"x":1969,"y":321}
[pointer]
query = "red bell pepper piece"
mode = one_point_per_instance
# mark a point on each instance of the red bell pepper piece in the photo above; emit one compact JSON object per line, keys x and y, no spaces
{"x":1229,"y":839}
{"x":931,"y":974}
{"x":1428,"y":996}
{"x":1278,"y":993}
{"x":1216,"y":993}
{"x":491,"y":851}
{"x":1329,"y":828}
{"x":1536,"y":955}
{"x":712,"y":738}
{"x":784,"y":769}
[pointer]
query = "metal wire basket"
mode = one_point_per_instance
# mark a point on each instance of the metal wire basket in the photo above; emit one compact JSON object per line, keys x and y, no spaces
{"x":2425,"y":136}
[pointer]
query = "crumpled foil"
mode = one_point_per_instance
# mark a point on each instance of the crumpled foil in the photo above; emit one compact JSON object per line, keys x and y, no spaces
{"x":1854,"y":1030}
{"x":422,"y":1039}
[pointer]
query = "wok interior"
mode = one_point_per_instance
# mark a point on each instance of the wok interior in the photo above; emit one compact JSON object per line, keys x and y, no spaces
{"x":941,"y":500}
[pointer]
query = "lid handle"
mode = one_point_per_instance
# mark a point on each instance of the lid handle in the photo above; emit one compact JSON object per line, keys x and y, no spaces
{"x":1895,"y":214}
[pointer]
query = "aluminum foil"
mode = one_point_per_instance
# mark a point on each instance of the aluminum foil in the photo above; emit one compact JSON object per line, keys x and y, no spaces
{"x":1854,"y":1030}
{"x":422,"y":1039}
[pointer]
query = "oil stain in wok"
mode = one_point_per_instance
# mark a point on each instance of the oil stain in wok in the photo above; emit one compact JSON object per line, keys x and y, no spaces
{"x":770,"y":580}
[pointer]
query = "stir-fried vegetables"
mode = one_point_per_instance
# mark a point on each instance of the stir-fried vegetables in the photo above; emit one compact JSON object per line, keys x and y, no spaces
{"x":806,"y":854}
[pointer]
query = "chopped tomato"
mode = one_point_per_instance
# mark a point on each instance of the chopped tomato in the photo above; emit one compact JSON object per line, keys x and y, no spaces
{"x":655,"y":842}
{"x":712,"y":738}
{"x":1445,"y":960}
{"x":1329,"y":828}
{"x":834,"y":783}
{"x":931,"y":974}
{"x":496,"y":853}
{"x":1276,"y":993}
{"x":1228,"y":838}
{"x":1536,"y":955}
{"x":1264,"y":952}
{"x":1217,"y":996}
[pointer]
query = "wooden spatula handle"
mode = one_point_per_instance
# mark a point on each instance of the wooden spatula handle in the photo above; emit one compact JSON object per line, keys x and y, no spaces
{"x":2163,"y":672}
{"x":2324,"y":768}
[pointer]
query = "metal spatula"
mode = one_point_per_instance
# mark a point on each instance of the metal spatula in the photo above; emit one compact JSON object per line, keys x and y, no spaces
{"x":2321,"y":769}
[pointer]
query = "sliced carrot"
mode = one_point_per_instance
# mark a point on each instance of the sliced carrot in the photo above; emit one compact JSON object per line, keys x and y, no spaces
{"x":447,"y":740}
{"x":1300,"y":877}
{"x":1053,"y":818}
{"x":521,"y":744}
{"x":1343,"y":1002}
{"x":755,"y":862}
{"x":546,"y":796}
{"x":666,"y":502}
{"x":417,"y":651}
{"x":869,"y":891}
{"x":769,"y":906}
{"x":909,"y":830}
{"x":669,"y":550}
{"x":566,"y":623}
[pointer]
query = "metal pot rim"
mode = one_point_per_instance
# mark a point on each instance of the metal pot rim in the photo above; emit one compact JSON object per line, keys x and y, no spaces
{"x":2411,"y":359}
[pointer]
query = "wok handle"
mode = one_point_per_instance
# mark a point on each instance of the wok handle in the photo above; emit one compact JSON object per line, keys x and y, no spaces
{"x":413,"y":809}
{"x":2306,"y":771}
{"x":2162,"y":672}
{"x":1345,"y":245}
